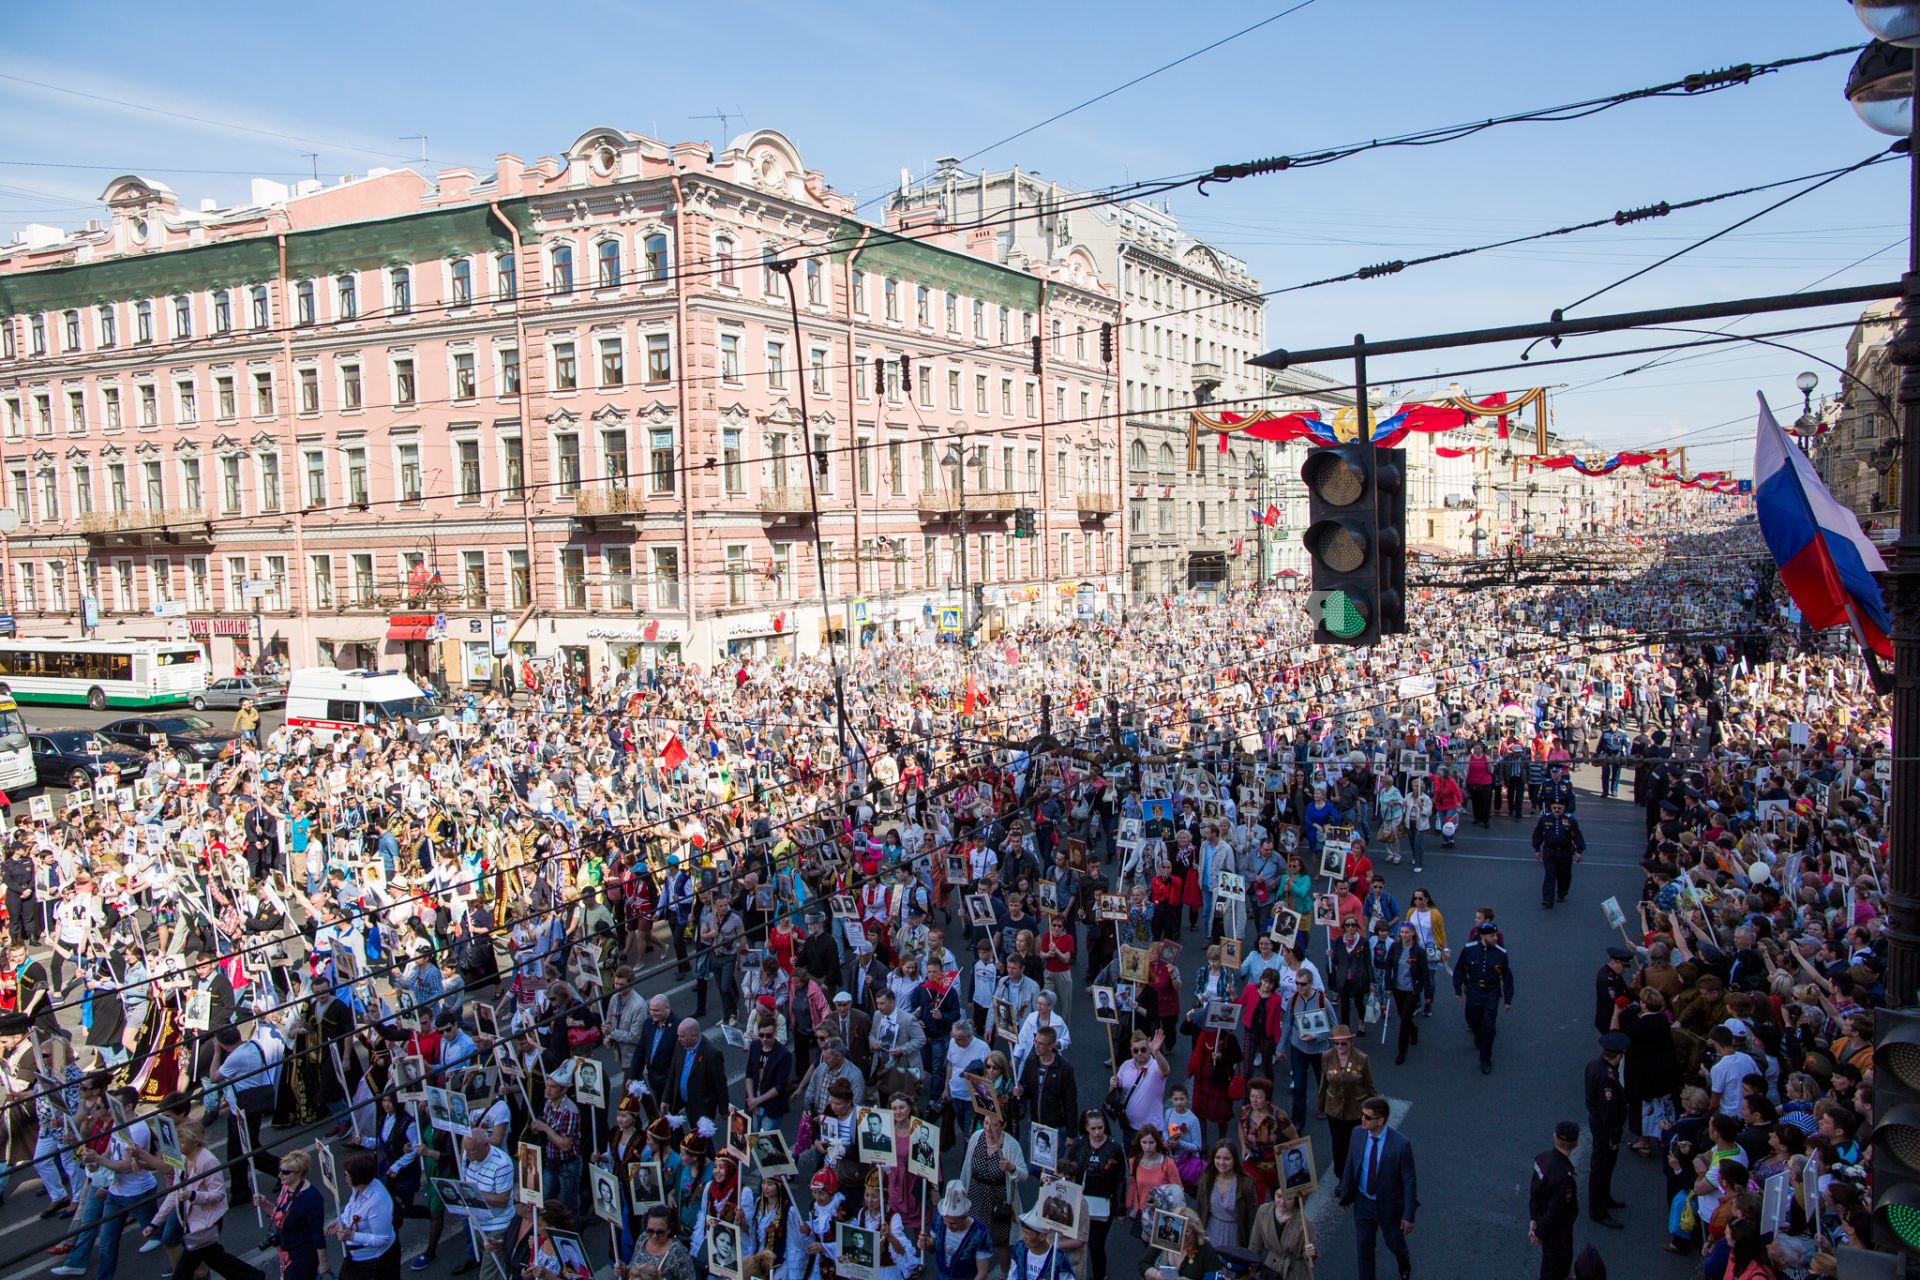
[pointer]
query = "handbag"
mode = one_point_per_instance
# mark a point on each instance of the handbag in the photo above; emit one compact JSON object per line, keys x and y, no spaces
{"x":1118,"y":1098}
{"x":583,"y":1037}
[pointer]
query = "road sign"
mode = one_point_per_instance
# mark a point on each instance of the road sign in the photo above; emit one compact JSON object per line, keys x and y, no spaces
{"x":950,"y":618}
{"x":170,"y":609}
{"x":255,"y":589}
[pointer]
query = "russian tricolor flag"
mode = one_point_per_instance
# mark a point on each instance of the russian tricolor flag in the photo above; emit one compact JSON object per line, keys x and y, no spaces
{"x":1825,"y":560}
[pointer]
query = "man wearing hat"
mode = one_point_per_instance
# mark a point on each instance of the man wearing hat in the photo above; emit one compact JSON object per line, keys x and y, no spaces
{"x":1606,"y":1117}
{"x":1558,"y":843}
{"x":1483,"y":983}
{"x":1610,"y":987}
{"x":1553,"y":1202}
{"x":957,"y":1245}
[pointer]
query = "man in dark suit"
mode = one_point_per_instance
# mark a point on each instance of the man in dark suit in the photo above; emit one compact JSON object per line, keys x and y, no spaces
{"x":1378,"y":1185}
{"x":653,"y":1050}
{"x":696,"y":1078}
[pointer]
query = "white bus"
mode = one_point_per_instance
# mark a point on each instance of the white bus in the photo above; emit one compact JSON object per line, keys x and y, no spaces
{"x":16,"y":752}
{"x":102,"y":673}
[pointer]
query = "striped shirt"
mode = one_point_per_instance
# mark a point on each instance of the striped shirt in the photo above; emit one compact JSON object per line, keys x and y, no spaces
{"x":492,"y":1176}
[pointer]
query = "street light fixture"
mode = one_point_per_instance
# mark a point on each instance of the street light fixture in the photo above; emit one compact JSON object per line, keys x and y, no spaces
{"x":1880,"y":87}
{"x":1894,"y":21}
{"x":1806,"y":382}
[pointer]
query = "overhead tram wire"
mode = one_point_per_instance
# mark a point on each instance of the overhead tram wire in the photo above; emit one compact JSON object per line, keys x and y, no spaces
{"x":1058,"y":116}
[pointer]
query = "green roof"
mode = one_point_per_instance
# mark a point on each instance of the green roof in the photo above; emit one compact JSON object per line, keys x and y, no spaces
{"x":887,"y":254}
{"x":358,"y":246}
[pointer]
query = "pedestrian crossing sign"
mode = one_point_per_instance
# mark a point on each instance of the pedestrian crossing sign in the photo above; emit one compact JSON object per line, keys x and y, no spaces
{"x":950,"y":619}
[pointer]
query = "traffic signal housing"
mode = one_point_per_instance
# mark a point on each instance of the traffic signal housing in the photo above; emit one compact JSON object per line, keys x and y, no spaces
{"x":1895,"y":1138}
{"x":1356,"y":540}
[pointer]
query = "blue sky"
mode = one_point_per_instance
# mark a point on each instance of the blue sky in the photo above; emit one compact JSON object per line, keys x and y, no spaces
{"x":865,"y":92}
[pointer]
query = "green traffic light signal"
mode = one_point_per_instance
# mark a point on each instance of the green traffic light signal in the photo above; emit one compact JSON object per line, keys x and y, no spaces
{"x":1342,"y":615}
{"x":1905,"y":1221}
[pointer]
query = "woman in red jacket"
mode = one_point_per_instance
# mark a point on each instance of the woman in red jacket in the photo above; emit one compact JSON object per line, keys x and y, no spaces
{"x":1480,"y":785}
{"x":1260,"y":1005}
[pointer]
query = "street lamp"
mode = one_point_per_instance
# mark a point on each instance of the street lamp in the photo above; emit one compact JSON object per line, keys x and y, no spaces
{"x":1894,"y":21}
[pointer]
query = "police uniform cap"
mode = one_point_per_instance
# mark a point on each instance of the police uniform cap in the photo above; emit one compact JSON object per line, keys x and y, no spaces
{"x":1617,"y":952}
{"x":1567,"y":1131}
{"x":1614,"y":1042}
{"x":1236,"y":1261}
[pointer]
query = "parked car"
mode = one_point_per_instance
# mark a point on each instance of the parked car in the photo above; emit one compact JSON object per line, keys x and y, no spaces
{"x":229,"y":691}
{"x":191,"y":737}
{"x":62,"y":758}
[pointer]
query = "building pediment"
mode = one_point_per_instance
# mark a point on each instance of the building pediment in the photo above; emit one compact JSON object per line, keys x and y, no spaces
{"x":562,"y":418}
{"x":609,"y":413}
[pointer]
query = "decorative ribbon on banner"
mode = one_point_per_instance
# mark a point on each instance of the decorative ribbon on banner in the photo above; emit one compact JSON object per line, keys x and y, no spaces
{"x":1570,"y":461}
{"x":1314,"y":428}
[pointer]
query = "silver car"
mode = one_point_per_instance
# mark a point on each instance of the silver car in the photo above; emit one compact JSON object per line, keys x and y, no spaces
{"x":228,"y":691}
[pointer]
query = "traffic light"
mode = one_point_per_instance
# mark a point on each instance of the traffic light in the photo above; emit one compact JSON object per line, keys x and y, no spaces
{"x":1106,"y":343}
{"x":1343,"y":542}
{"x":1023,"y":522}
{"x":1036,"y":353}
{"x":906,"y":376}
{"x":1896,"y":1127}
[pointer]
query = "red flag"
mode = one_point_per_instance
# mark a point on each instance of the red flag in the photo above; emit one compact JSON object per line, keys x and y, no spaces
{"x":1499,"y":397}
{"x":1273,"y":515}
{"x":967,"y":702}
{"x":707,"y":723}
{"x":673,"y":755}
{"x":1223,"y":442}
{"x":1238,"y":545}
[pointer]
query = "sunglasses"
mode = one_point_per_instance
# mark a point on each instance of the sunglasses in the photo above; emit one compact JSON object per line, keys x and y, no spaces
{"x":657,"y":1231}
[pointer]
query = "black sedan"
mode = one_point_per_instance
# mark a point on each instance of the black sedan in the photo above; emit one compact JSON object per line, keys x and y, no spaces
{"x":75,"y":757}
{"x":191,"y":737}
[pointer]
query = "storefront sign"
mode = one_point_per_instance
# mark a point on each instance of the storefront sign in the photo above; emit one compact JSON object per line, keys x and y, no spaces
{"x":201,"y":628}
{"x":648,"y":633}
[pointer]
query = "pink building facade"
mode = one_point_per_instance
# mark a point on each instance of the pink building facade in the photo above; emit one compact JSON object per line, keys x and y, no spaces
{"x":565,"y":398}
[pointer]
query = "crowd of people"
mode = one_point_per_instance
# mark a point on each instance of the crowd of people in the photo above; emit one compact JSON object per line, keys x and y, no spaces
{"x":395,"y":977}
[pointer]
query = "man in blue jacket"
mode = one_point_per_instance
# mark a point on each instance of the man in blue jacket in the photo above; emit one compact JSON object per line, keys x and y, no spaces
{"x":1378,"y":1185}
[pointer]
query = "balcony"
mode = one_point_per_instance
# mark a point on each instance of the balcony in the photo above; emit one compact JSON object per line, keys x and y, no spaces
{"x":783,"y":505}
{"x":944,"y":504}
{"x":609,"y":504}
{"x":1207,"y":375}
{"x":1096,"y":506}
{"x":138,"y":528}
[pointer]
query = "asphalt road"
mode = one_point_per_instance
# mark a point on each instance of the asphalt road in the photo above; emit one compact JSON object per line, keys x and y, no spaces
{"x":1474,"y":1136}
{"x":57,"y":717}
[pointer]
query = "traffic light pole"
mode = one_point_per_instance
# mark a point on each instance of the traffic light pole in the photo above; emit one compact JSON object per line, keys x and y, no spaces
{"x":966,"y":591}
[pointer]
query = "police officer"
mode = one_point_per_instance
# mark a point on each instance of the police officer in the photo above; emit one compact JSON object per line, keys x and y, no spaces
{"x":1610,"y":987}
{"x":1483,"y":982}
{"x":1558,"y":843}
{"x":1557,"y":787}
{"x":1612,"y":751}
{"x":1553,"y":1202}
{"x":23,"y":923}
{"x":1606,"y":1117}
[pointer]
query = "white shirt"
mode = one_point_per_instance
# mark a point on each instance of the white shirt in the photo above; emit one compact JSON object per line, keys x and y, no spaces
{"x":368,"y":1218}
{"x":1726,"y":1074}
{"x":136,"y":1181}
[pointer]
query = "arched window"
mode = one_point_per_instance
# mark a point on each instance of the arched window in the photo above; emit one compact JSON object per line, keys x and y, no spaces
{"x":813,"y":282}
{"x":723,"y":260}
{"x":402,"y":281}
{"x":769,"y":278}
{"x":606,"y":256}
{"x":1137,"y":455}
{"x":260,"y":311}
{"x":507,"y":273}
{"x":222,"y":311}
{"x":656,"y":249}
{"x":562,"y":258}
{"x":1166,"y":459}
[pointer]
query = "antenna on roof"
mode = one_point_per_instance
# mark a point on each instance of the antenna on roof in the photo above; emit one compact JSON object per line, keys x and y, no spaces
{"x":421,"y":138}
{"x":315,"y":157}
{"x":722,"y":117}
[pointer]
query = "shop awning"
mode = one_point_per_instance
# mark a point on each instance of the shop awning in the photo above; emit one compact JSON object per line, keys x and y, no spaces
{"x":409,"y":633}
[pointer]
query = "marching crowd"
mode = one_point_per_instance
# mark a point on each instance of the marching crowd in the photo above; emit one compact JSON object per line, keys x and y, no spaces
{"x":395,"y":977}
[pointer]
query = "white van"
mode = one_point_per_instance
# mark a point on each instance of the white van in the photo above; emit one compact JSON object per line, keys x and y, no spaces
{"x":326,"y":701}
